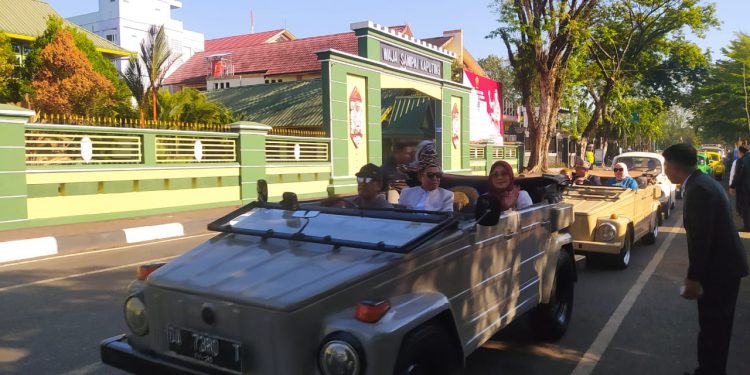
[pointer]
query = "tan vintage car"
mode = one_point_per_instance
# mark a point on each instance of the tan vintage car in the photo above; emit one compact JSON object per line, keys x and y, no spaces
{"x":609,"y":220}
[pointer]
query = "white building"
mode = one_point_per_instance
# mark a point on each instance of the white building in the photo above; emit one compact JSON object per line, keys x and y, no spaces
{"x":126,"y":23}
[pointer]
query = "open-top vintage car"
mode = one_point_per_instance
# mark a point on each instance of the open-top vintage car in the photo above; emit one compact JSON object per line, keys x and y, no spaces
{"x":650,"y":165}
{"x":304,"y":289}
{"x":609,"y":220}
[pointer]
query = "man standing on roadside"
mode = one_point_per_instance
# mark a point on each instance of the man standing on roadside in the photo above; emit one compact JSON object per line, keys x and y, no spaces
{"x":717,"y":260}
{"x":739,"y":185}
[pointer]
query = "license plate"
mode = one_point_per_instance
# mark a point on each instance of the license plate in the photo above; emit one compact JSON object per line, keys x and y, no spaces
{"x":209,"y":349}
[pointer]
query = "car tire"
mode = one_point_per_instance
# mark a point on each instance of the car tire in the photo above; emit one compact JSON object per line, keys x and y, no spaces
{"x":650,"y":238}
{"x":622,"y":260}
{"x":667,"y":212}
{"x":678,"y":194}
{"x":550,"y":320}
{"x":427,"y":350}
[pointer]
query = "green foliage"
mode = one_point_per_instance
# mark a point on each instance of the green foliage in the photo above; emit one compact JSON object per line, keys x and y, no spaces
{"x":499,"y":69}
{"x":6,"y":68}
{"x":157,"y":58}
{"x":722,"y":102}
{"x":190,"y":105}
{"x":457,"y":71}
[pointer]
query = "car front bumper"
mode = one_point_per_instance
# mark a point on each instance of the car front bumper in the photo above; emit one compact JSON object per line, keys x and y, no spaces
{"x":117,"y":352}
{"x":593,"y":247}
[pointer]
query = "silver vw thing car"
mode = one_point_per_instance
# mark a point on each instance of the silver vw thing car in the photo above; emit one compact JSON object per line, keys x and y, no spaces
{"x":293,"y":288}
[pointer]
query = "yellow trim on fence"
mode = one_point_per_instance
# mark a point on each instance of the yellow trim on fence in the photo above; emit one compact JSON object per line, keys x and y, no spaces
{"x":127,"y":175}
{"x":51,"y":207}
{"x":296,"y":170}
{"x":276,"y":190}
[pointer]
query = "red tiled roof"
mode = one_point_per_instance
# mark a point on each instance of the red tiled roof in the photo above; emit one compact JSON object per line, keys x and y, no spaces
{"x":438,"y":41}
{"x":403,"y":29}
{"x":244,"y":40}
{"x":294,"y":56}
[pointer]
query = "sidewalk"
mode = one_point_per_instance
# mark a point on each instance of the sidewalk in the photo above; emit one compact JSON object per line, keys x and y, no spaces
{"x":27,"y":243}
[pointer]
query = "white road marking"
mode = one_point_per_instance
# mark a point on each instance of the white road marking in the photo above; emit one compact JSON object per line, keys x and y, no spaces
{"x":153,"y":232}
{"x":47,"y":281}
{"x":107,"y":250}
{"x":88,"y":369}
{"x":591,"y":358}
{"x":28,"y":248}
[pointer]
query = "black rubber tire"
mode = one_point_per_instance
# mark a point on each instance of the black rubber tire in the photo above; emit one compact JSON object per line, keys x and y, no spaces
{"x":427,"y":350}
{"x":622,"y":260}
{"x":550,"y":320}
{"x":668,"y":211}
{"x":650,"y":238}
{"x":678,"y":194}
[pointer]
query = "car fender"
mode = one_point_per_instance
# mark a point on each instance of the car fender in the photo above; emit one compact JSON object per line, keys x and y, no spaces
{"x":381,"y":341}
{"x":559,"y":246}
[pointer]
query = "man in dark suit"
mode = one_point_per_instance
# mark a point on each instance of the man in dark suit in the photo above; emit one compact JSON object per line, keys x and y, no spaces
{"x":739,"y":184}
{"x":717,"y":259}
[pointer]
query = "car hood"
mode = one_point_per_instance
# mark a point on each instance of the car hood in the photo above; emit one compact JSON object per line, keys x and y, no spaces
{"x":270,"y":273}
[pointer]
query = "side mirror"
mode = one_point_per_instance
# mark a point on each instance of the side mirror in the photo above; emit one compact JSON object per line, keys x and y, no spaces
{"x":262,"y":187}
{"x":289,"y":202}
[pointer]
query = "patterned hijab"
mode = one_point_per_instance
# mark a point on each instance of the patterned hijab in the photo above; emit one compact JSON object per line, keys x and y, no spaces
{"x":503,"y":198}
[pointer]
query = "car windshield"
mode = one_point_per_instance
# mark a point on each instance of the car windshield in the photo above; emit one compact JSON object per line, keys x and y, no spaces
{"x":640,"y":163}
{"x":383,"y":230}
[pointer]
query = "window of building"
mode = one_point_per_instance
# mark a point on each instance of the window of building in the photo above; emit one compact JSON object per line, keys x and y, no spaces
{"x":111,"y":38}
{"x":216,"y":86}
{"x":279,"y":80}
{"x":227,"y":84}
{"x":267,"y":81}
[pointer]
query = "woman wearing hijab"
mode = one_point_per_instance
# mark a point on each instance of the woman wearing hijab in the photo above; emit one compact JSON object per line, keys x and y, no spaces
{"x":622,"y":178}
{"x":503,"y":193}
{"x":429,"y":195}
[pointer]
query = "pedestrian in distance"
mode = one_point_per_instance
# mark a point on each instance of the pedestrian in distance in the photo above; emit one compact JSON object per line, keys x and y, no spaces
{"x":717,"y":259}
{"x":739,"y":185}
{"x":590,"y":155}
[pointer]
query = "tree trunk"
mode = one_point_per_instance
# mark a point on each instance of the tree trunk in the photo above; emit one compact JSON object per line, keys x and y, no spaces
{"x":153,"y":100}
{"x":143,"y":119}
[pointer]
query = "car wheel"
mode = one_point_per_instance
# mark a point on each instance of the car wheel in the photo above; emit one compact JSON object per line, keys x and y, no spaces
{"x":622,"y":260}
{"x":427,"y":350}
{"x":678,"y":194}
{"x":650,"y":238}
{"x":666,"y":212}
{"x":671,"y":206}
{"x":551,"y":320}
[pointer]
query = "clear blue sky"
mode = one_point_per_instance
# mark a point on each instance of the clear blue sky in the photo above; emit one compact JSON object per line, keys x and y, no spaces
{"x":305,"y":18}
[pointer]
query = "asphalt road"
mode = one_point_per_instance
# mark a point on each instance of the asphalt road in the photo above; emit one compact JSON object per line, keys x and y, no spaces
{"x":54,"y":312}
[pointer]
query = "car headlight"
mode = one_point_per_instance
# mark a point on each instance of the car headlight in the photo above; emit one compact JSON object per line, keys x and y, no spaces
{"x":135,"y":316}
{"x":606,"y":232}
{"x":339,"y":357}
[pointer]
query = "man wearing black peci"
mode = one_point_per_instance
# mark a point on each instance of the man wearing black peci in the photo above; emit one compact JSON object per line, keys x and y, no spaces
{"x":717,"y":259}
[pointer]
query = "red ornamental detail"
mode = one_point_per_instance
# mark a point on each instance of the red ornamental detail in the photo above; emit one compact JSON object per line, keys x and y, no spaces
{"x":355,"y":117}
{"x":455,"y":125}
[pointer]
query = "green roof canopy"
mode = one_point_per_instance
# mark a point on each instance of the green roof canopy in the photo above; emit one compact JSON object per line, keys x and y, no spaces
{"x":283,"y":104}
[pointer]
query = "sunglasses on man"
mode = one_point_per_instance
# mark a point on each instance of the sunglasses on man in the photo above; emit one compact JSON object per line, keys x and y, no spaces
{"x":617,"y":169}
{"x":434,"y":174}
{"x":364,"y":180}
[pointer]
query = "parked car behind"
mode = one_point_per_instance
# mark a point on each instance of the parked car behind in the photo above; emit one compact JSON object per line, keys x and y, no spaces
{"x":319,"y":290}
{"x":651,"y":165}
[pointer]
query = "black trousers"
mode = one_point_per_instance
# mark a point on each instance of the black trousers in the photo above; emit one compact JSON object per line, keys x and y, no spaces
{"x":743,"y":208}
{"x":716,"y":316}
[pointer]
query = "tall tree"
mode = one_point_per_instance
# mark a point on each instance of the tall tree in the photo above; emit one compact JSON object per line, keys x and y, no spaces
{"x":541,"y":37}
{"x":722,"y":102}
{"x":133,"y":78}
{"x":65,"y":83}
{"x":632,"y":38}
{"x":7,"y":58}
{"x":157,"y":58}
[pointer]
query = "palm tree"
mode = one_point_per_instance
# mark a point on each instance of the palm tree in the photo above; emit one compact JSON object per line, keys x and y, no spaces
{"x":133,"y":77}
{"x":157,"y":57}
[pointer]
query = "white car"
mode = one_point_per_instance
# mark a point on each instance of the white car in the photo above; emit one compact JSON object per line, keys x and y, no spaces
{"x":652,"y":164}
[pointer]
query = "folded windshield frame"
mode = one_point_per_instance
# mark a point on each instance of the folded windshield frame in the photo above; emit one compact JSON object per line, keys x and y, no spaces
{"x":436,"y":222}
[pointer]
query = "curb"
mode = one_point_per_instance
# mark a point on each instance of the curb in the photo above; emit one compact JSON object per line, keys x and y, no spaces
{"x":16,"y":250}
